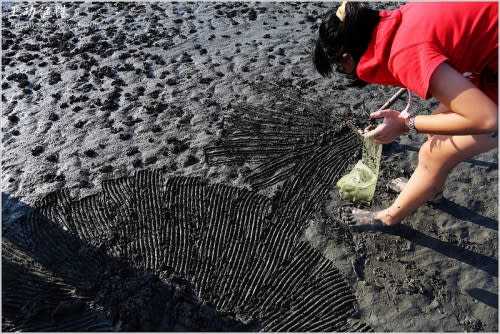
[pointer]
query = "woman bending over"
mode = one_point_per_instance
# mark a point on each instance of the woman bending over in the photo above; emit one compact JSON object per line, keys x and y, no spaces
{"x":448,"y":51}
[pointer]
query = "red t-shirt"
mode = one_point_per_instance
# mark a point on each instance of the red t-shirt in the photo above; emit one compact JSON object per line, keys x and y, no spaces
{"x":410,"y":42}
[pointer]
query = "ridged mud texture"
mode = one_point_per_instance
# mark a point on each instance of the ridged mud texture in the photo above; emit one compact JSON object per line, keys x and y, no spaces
{"x":298,"y":144}
{"x":240,"y":253}
{"x":106,"y":257}
{"x":286,"y":137}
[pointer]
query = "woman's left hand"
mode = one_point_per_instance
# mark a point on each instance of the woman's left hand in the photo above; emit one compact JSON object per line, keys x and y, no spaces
{"x":392,"y":127}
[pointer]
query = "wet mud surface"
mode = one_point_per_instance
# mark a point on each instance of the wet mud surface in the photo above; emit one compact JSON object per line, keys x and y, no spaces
{"x":172,"y":167}
{"x":157,"y":254}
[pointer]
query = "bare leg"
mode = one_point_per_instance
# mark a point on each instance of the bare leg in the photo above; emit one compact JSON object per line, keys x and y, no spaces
{"x":437,"y":157}
{"x":398,"y":184}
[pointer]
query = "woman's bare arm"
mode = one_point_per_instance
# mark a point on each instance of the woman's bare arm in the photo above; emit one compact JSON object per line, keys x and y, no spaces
{"x":472,"y":111}
{"x":464,"y":110}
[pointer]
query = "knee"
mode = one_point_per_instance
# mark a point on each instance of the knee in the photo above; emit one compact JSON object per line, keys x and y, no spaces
{"x":433,"y":160}
{"x":427,"y":158}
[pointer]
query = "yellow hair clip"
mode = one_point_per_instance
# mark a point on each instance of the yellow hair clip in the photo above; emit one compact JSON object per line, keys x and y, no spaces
{"x":341,"y":11}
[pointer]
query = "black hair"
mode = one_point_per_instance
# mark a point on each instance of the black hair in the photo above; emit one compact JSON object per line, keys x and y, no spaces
{"x":351,"y":36}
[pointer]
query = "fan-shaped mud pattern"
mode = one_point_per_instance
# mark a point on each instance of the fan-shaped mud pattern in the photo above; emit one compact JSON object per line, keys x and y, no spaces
{"x":100,"y":263}
{"x":278,"y":136}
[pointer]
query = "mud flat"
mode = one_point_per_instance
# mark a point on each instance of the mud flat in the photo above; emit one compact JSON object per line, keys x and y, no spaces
{"x":172,"y":167}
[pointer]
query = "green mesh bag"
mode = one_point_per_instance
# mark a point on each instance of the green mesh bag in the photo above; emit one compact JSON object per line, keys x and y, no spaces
{"x":359,"y":185}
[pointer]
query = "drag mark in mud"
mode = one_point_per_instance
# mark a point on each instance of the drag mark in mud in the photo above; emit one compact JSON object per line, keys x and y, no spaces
{"x":238,"y":253}
{"x":278,"y":135}
{"x":119,"y":251}
{"x":297,"y":143}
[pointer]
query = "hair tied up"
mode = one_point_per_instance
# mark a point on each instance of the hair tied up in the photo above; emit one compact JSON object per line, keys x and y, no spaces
{"x":341,"y":11}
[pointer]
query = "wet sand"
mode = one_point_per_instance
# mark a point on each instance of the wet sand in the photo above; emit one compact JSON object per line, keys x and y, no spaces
{"x":172,"y":167}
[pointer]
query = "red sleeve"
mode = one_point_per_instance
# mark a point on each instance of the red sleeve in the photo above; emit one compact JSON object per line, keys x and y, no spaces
{"x":414,"y":66}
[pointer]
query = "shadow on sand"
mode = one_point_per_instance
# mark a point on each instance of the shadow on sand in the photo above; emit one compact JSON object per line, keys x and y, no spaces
{"x":484,"y":297}
{"x":463,"y":213}
{"x":54,"y":281}
{"x":449,"y":249}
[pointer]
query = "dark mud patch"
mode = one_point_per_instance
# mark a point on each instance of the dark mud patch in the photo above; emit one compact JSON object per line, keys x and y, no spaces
{"x":156,"y":253}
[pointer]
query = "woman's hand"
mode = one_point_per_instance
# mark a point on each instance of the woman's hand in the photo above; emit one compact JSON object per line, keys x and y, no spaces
{"x":392,"y":127}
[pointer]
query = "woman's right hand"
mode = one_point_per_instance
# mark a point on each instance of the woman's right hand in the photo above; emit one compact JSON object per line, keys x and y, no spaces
{"x":391,"y":128}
